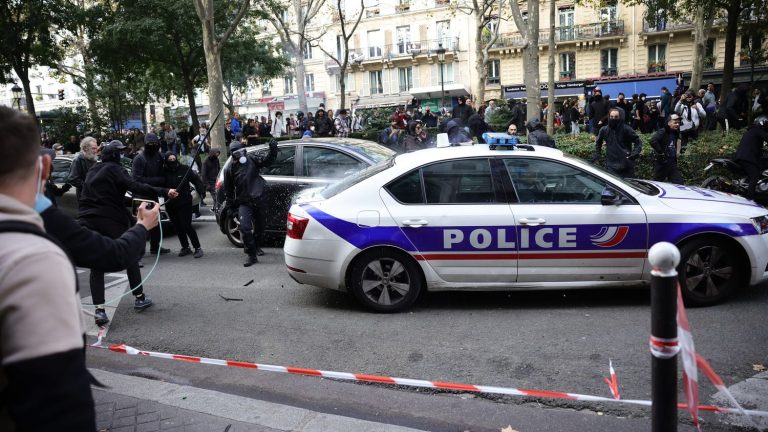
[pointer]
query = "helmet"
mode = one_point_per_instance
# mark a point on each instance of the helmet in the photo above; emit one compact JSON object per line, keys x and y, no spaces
{"x":533,"y":124}
{"x":762,"y":121}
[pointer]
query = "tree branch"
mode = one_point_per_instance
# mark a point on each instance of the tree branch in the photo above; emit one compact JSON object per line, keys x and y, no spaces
{"x":240,"y":14}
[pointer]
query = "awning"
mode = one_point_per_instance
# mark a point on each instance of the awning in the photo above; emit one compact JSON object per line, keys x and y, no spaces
{"x":431,"y":92}
{"x":383,"y":101}
{"x":651,"y":87}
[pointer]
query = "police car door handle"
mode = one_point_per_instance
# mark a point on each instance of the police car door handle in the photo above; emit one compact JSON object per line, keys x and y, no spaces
{"x":532,"y":221}
{"x":415,"y":223}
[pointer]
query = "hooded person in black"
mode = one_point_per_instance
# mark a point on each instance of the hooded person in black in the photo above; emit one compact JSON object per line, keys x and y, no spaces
{"x":462,"y":111}
{"x":210,"y":171}
{"x":416,"y":137}
{"x":666,"y":146}
{"x":456,"y":132}
{"x":102,"y":209}
{"x":623,"y":146}
{"x":180,"y":209}
{"x":537,"y":134}
{"x":750,"y":151}
{"x":148,"y":168}
{"x":245,"y":190}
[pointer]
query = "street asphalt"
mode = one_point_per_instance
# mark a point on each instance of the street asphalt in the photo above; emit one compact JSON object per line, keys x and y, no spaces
{"x":549,"y":340}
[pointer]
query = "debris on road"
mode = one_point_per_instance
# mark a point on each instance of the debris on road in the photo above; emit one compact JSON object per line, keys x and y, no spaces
{"x":230,"y":299}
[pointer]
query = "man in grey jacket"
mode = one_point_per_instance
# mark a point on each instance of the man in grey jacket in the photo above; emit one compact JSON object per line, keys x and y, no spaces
{"x":43,"y":379}
{"x":84,"y":160}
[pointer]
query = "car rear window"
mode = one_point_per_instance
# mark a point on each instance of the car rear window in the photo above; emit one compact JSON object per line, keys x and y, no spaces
{"x":334,"y":188}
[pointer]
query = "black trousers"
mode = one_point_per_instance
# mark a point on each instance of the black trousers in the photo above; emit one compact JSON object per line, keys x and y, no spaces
{"x":753,"y":174}
{"x":667,"y":171}
{"x":252,"y":224}
{"x":686,"y":136}
{"x":112,"y":229}
{"x":627,"y":172}
{"x":181,"y":218}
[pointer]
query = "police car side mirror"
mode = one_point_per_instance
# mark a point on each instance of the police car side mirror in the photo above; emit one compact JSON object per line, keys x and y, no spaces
{"x":610,"y":197}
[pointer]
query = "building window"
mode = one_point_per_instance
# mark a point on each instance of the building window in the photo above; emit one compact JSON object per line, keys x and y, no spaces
{"x":339,"y":47}
{"x":566,"y":23}
{"x":309,"y":82}
{"x":266,"y":88}
{"x":657,"y":55}
{"x":567,"y":65}
{"x":444,"y":34}
{"x":403,"y":39}
{"x":374,"y":43}
{"x":447,"y":73}
{"x":406,"y":78}
{"x":609,"y":59}
{"x":285,"y":15}
{"x":377,"y":86}
{"x":39,"y":90}
{"x":494,"y":66}
{"x":307,"y":50}
{"x":608,"y":17}
{"x":751,"y":46}
{"x":288,"y":85}
{"x":709,"y":56}
{"x":349,"y":83}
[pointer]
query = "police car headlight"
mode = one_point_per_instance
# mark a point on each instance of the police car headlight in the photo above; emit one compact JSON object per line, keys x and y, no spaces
{"x":761,"y":224}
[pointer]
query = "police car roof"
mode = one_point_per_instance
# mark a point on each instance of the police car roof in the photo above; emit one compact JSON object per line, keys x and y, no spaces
{"x":441,"y":153}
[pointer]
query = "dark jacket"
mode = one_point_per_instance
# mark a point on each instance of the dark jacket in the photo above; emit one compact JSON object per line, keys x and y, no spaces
{"x":323,"y":126}
{"x":540,"y":137}
{"x":210,"y":170}
{"x":625,"y":106}
{"x":103,"y":194}
{"x":92,"y":250}
{"x":462,"y":112}
{"x":619,"y":146}
{"x":179,"y":178}
{"x":242,"y":182}
{"x":478,"y":126}
{"x":429,"y":119}
{"x":664,"y":144}
{"x":411,"y":141}
{"x":456,"y":133}
{"x":751,"y":145}
{"x":77,"y":172}
{"x":148,"y":170}
{"x":598,"y":110}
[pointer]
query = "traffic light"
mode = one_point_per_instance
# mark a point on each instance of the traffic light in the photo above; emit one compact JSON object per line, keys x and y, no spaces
{"x":61,"y":94}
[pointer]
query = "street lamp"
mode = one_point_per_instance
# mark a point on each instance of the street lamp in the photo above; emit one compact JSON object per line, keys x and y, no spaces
{"x":441,"y":58}
{"x":16,"y":91}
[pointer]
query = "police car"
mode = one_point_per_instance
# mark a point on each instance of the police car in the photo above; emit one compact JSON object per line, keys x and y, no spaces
{"x":525,"y":217}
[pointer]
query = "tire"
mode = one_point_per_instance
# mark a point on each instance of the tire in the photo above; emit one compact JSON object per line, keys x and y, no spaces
{"x":718,"y":183}
{"x":232,"y":230}
{"x":709,"y":271}
{"x":375,"y":286}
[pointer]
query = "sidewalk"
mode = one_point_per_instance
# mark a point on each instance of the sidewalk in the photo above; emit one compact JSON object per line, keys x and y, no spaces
{"x":132,"y":404}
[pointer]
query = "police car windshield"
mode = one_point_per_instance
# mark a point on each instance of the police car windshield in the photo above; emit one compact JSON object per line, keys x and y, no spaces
{"x":373,"y":151}
{"x":638,"y":185}
{"x":347,"y":182}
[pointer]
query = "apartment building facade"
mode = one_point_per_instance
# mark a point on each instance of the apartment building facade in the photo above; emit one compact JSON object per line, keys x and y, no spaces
{"x":394,"y":54}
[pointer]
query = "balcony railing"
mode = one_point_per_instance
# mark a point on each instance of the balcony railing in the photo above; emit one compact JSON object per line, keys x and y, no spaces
{"x":492,"y":80}
{"x":609,"y":71}
{"x":566,"y":75}
{"x":403,"y":49}
{"x":564,"y":34}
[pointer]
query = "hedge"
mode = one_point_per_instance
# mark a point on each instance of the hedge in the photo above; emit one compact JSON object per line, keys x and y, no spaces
{"x":709,"y":145}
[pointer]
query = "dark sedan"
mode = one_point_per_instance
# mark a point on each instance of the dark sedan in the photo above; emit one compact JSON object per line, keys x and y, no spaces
{"x":300,"y":164}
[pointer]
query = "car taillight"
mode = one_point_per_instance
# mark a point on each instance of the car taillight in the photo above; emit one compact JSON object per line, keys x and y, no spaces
{"x":295,"y":226}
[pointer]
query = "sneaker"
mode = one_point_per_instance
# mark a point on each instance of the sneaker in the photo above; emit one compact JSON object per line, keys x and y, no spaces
{"x":198,"y":253}
{"x":251,"y":260}
{"x":141,"y":263}
{"x":185,"y":251}
{"x":100,"y":316}
{"x":259,"y":252}
{"x":141,"y":304}
{"x":162,"y":251}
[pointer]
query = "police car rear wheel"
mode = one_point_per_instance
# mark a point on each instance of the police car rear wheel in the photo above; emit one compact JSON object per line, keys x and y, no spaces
{"x":385,"y":281}
{"x":233,"y":230}
{"x":708,"y":271}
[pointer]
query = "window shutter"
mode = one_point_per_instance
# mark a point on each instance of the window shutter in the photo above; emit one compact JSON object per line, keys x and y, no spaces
{"x":385,"y":79}
{"x":365,"y":91}
{"x":416,"y":74}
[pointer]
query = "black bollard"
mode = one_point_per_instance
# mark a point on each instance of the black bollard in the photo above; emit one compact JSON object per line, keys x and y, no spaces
{"x":664,"y":258}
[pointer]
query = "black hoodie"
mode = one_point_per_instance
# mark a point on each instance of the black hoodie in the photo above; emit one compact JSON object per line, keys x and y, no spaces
{"x":178,"y":176}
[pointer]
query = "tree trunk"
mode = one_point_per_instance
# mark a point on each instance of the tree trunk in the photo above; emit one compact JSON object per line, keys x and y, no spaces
{"x":28,"y":94}
{"x":701,"y":28}
{"x":531,"y":62}
{"x":192,"y":105}
{"x":300,"y":71}
{"x":731,"y":31}
{"x":551,"y":70}
{"x":480,"y":60}
{"x":343,"y":90}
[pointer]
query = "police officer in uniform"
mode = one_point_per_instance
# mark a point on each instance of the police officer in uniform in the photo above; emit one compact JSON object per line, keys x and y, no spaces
{"x":666,"y":144}
{"x":102,"y":209}
{"x":245,"y":192}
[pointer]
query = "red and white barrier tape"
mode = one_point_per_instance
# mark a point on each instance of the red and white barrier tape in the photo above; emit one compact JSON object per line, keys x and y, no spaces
{"x":664,"y":348}
{"x":613,"y":383}
{"x":509,"y":391}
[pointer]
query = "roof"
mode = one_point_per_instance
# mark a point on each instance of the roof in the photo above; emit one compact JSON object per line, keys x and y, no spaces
{"x":477,"y":150}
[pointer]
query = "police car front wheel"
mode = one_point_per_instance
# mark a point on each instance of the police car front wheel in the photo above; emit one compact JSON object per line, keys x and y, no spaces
{"x":709,"y":271}
{"x":385,"y":281}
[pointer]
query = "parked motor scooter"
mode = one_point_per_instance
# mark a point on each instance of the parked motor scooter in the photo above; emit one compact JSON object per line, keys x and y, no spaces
{"x":736,"y":182}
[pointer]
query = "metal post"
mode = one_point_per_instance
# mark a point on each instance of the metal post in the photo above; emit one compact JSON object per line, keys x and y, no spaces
{"x":664,"y":258}
{"x":442,"y":87}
